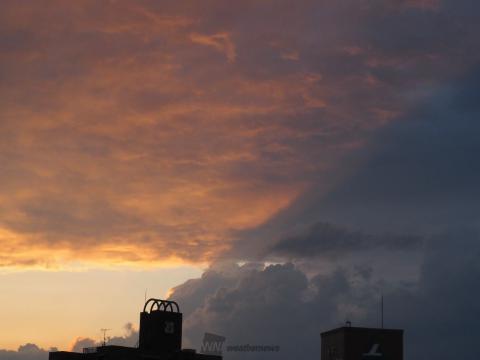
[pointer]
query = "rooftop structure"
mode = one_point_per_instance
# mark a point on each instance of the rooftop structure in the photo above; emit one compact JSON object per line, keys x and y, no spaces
{"x":359,"y":343}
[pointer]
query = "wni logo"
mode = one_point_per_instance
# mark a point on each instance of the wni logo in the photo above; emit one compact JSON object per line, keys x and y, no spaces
{"x":212,"y":344}
{"x":374,"y":353}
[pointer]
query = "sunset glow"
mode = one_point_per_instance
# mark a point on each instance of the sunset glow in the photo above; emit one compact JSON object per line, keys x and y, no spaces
{"x":230,"y":153}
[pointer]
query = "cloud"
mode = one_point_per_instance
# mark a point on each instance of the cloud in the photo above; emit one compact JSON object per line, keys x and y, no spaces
{"x":288,"y":305}
{"x":424,"y":4}
{"x":443,"y":305}
{"x":281,"y":305}
{"x":81,"y":343}
{"x":277,"y":305}
{"x":315,"y":132}
{"x":421,"y":172}
{"x":327,"y":240}
{"x":220,"y":42}
{"x":417,"y":176}
{"x":33,"y":352}
{"x":25,"y":352}
{"x":138,"y":133}
{"x":247,"y":306}
{"x":129,"y":339}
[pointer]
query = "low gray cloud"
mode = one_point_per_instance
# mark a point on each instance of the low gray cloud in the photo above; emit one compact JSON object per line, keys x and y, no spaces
{"x":276,"y":305}
{"x":28,"y":351}
{"x":129,"y":339}
{"x":328,"y":240}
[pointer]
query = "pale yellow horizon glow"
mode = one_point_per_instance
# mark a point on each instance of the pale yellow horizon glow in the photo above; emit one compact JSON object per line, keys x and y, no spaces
{"x":53,"y":308}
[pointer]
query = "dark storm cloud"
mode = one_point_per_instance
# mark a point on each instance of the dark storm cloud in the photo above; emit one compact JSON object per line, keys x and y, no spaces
{"x":418,"y":176}
{"x":443,"y":304}
{"x":422,"y":172}
{"x":327,"y":240}
{"x":281,"y":305}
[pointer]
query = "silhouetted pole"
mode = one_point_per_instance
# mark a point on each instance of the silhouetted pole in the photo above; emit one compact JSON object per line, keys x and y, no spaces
{"x":104,"y":335}
{"x":381,"y":309}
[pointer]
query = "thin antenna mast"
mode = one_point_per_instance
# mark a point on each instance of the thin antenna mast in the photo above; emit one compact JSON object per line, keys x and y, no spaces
{"x":104,"y":336}
{"x":381,"y":309}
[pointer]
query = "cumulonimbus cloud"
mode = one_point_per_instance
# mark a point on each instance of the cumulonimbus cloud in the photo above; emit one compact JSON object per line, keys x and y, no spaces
{"x":283,"y":305}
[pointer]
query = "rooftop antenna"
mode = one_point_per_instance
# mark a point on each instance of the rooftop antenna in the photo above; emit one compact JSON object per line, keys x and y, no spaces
{"x":104,"y":336}
{"x":381,"y":309}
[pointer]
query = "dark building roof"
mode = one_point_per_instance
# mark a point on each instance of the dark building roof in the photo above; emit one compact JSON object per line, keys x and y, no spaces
{"x":353,"y":329}
{"x":360,"y":343}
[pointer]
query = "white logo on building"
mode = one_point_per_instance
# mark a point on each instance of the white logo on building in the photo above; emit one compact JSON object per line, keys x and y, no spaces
{"x":374,"y":351}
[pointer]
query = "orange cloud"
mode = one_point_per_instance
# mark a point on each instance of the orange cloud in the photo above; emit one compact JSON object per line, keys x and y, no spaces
{"x":221,"y":42}
{"x":126,"y":139}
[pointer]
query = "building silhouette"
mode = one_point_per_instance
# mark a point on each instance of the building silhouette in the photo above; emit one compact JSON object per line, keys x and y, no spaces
{"x":160,"y":338}
{"x":359,"y":343}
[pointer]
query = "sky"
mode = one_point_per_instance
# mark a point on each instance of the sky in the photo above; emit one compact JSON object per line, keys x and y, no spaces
{"x":245,"y":158}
